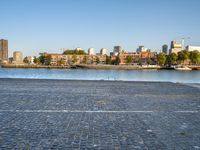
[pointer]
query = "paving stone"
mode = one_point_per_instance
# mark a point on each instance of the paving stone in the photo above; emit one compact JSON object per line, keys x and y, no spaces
{"x":61,"y":114}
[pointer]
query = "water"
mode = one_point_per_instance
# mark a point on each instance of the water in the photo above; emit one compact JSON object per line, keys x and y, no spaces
{"x":124,"y":75}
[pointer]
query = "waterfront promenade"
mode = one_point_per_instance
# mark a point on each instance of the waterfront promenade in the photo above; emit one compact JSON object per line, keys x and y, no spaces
{"x":64,"y":114}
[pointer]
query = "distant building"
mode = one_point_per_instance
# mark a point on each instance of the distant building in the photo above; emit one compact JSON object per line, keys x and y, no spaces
{"x":78,"y":49}
{"x":141,"y":49}
{"x":165,"y":49}
{"x":17,"y":57}
{"x":3,"y":50}
{"x":77,"y":59}
{"x":117,"y":50}
{"x":175,"y":47}
{"x":192,"y":48}
{"x":103,"y":51}
{"x":31,"y":59}
{"x":91,"y":51}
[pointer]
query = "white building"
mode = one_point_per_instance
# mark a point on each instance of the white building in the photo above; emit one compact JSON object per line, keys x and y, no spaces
{"x":91,"y":51}
{"x":192,"y":48}
{"x":103,"y":51}
{"x":31,"y":59}
{"x":175,"y":47}
{"x":78,"y":49}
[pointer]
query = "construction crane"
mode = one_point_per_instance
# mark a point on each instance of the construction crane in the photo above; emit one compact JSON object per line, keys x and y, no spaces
{"x":183,"y":42}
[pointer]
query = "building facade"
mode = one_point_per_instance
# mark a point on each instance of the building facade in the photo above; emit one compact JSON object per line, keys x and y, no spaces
{"x":103,"y":51}
{"x":192,"y":48}
{"x":91,"y":51}
{"x":175,"y":47}
{"x":165,"y":49}
{"x":3,"y":50}
{"x":17,"y":57}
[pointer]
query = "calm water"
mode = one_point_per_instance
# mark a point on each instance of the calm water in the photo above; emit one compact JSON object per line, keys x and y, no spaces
{"x":125,"y":75}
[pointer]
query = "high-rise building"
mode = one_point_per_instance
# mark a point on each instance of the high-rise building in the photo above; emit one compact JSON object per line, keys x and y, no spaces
{"x":165,"y":49}
{"x":142,"y":49}
{"x":3,"y":50}
{"x":192,"y":48}
{"x":103,"y":51}
{"x":17,"y":57}
{"x":175,"y":47}
{"x":117,"y":50}
{"x":91,"y":51}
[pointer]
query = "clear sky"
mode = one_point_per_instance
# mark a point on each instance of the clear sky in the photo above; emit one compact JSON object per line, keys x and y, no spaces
{"x":34,"y":26}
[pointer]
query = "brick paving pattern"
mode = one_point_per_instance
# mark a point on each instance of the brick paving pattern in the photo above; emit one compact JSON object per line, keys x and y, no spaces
{"x":61,"y":114}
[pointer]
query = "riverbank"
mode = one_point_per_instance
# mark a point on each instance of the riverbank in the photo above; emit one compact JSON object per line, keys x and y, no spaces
{"x":68,"y":114}
{"x":33,"y":66}
{"x":96,"y":67}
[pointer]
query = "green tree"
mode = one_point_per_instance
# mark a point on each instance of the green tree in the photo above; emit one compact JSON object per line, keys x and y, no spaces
{"x":140,"y":61}
{"x":183,"y":55}
{"x":36,"y":60}
{"x":172,"y":57}
{"x":194,"y":56}
{"x":129,"y":59}
{"x":62,"y":61}
{"x":161,"y":59}
{"x":42,"y":59}
{"x":117,"y":60}
{"x":74,"y":59}
{"x":108,"y":60}
{"x":26,"y":60}
{"x":74,"y":52}
{"x":48,"y":59}
{"x":97,"y":60}
{"x":149,"y":61}
{"x":85,"y":59}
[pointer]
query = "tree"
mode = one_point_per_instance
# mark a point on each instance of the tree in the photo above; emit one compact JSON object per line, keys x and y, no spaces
{"x":172,"y":57}
{"x":97,"y":60}
{"x":48,"y":59}
{"x":42,"y":59}
{"x":194,"y":56}
{"x":36,"y":60}
{"x":26,"y":60}
{"x":161,"y":59}
{"x":85,"y":60}
{"x":108,"y":60}
{"x":129,"y":59}
{"x":74,"y":59}
{"x":183,"y":55}
{"x":140,"y":61}
{"x":117,"y":60}
{"x":74,"y":52}
{"x":62,"y":61}
{"x":149,"y":61}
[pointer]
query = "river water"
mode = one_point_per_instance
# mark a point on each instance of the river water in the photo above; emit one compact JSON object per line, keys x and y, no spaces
{"x":86,"y":74}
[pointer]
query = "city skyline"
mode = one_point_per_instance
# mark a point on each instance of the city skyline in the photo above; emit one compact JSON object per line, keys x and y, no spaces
{"x":34,"y":26}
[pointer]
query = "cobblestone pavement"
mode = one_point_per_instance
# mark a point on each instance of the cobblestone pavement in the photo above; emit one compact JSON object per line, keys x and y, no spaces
{"x":61,"y":114}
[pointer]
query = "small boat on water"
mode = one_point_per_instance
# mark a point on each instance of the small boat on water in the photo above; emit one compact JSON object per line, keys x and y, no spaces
{"x":182,"y":68}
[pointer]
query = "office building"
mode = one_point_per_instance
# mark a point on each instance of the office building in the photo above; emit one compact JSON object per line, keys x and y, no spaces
{"x":192,"y":48}
{"x":142,"y":49}
{"x":103,"y":51}
{"x":91,"y":51}
{"x":3,"y":50}
{"x":165,"y":49}
{"x":17,"y":57}
{"x":175,"y":47}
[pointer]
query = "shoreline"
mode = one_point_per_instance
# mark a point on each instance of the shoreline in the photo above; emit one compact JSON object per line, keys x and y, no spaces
{"x":94,"y":67}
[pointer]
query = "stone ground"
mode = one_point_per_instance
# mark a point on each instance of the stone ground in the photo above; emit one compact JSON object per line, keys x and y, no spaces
{"x":61,"y":114}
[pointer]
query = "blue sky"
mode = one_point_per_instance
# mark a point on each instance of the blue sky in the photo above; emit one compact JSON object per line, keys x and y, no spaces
{"x":34,"y":26}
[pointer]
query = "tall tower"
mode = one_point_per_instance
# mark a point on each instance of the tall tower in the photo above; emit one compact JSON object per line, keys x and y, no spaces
{"x":3,"y":50}
{"x":165,"y":49}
